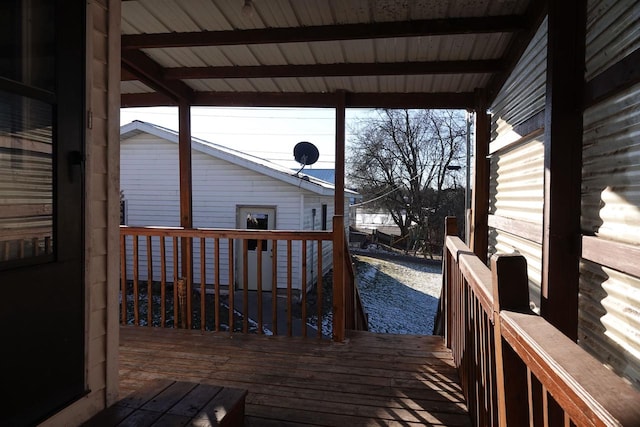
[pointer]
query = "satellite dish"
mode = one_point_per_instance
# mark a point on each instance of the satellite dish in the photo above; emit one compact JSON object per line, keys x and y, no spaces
{"x":305,"y":153}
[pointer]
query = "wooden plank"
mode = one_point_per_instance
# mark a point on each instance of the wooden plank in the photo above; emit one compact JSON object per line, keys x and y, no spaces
{"x":621,"y":75}
{"x":145,"y":393}
{"x":169,"y":396}
{"x":525,"y":229}
{"x":582,"y":385}
{"x":112,"y":416}
{"x":250,"y":366}
{"x":227,"y":233}
{"x":193,"y":402}
{"x":161,"y":402}
{"x":619,"y":256}
{"x":225,"y":409}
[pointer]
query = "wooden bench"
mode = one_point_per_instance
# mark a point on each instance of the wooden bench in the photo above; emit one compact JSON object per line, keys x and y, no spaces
{"x":175,"y":403}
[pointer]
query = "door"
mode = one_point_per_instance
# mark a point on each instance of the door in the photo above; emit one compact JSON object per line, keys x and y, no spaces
{"x":42,"y":112}
{"x":255,"y":218}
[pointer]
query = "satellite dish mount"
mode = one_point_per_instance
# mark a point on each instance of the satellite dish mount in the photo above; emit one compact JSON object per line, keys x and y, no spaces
{"x":305,"y":153}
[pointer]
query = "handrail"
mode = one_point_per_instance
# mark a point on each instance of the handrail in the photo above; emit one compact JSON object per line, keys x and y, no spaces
{"x":355,"y":313}
{"x":515,"y":367}
{"x":162,"y":279}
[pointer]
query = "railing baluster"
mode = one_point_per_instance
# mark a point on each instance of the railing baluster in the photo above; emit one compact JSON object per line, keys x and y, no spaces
{"x":231,"y":286}
{"x":289,"y":286}
{"x":34,"y":246}
{"x":176,"y":265}
{"x":216,"y":282}
{"x":149,"y":283}
{"x":303,"y":288}
{"x":245,"y":286}
{"x":274,"y":287}
{"x":163,"y":282}
{"x":259,"y":283}
{"x":142,"y":245}
{"x":189,"y":287}
{"x":123,"y":279}
{"x":319,"y":289}
{"x":203,"y":281}
{"x":136,"y":320}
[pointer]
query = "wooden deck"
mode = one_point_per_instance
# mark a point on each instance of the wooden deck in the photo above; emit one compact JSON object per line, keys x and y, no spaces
{"x":370,"y":379}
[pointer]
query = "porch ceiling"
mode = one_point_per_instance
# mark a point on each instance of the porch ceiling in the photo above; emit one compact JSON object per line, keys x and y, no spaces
{"x":365,"y":53}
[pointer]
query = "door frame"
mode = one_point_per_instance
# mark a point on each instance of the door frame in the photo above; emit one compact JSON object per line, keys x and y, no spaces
{"x":267,"y":261}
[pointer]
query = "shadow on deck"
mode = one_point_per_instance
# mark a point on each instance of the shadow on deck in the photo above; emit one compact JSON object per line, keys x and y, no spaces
{"x":370,"y":379}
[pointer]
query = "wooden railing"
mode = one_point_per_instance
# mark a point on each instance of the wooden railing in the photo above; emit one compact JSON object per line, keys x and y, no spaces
{"x":356,"y":317}
{"x":200,"y":279}
{"x":516,"y":369}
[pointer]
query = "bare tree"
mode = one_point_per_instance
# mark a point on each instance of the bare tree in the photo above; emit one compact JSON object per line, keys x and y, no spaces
{"x":400,"y":161}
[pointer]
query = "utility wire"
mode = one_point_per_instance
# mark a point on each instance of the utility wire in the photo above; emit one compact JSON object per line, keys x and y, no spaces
{"x":396,"y":188}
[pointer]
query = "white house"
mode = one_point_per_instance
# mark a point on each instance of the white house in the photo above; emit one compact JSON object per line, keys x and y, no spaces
{"x":230,"y":190}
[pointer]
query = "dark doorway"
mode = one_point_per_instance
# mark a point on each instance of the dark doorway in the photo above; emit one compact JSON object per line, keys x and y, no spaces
{"x":42,"y":111}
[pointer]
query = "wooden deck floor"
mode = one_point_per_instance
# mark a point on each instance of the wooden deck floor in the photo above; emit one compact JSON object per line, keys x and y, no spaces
{"x":370,"y":379}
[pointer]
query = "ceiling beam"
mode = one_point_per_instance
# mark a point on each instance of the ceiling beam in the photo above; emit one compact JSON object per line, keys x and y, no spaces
{"x":317,"y":100}
{"x":150,"y":73}
{"x":332,"y":70}
{"x":152,"y":99}
{"x":417,"y":28}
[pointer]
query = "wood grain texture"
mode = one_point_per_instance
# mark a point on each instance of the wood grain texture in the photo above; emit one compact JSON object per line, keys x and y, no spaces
{"x":369,"y":379}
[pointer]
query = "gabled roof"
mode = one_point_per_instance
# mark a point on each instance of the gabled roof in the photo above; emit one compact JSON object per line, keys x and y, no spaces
{"x":328,"y":175}
{"x":256,"y":164}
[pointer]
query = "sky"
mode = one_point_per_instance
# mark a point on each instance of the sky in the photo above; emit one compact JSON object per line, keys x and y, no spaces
{"x":269,"y":133}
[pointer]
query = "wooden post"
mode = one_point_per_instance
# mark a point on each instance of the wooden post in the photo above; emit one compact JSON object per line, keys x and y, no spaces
{"x":443,"y":319}
{"x":510,"y":292}
{"x":338,"y":226}
{"x":563,"y":165}
{"x":184,"y":155}
{"x":480,"y":204}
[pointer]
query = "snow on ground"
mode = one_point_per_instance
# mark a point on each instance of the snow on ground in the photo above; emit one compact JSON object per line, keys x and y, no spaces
{"x":400,"y":296}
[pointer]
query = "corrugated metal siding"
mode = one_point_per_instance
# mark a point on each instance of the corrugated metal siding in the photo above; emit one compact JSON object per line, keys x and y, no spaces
{"x":523,"y":94}
{"x":612,"y":33}
{"x":609,"y":317}
{"x":502,"y":242}
{"x":611,"y":168}
{"x":517,"y":192}
{"x":517,"y":181}
{"x":516,"y":188}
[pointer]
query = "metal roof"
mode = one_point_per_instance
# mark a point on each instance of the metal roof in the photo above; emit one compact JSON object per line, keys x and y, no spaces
{"x":367,"y":53}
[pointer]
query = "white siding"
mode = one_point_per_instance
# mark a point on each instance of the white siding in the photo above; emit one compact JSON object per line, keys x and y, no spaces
{"x":315,"y":202}
{"x":150,"y":183}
